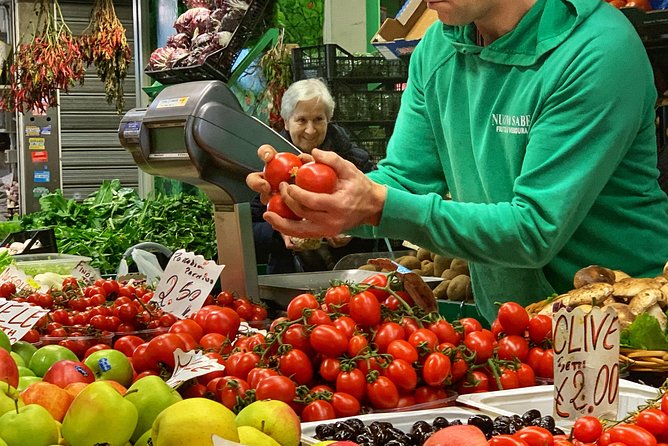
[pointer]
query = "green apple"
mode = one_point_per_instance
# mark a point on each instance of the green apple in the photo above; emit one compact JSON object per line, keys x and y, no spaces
{"x":143,"y":440}
{"x":4,"y":341}
{"x":25,"y":349}
{"x":254,"y":437}
{"x":25,"y":381}
{"x":31,"y":425}
{"x":99,"y":414}
{"x":9,"y":396}
{"x":46,"y":356}
{"x":18,"y":359}
{"x":150,"y":395}
{"x":192,"y":422}
{"x":25,"y":371}
{"x":110,"y":364}
{"x":274,"y":418}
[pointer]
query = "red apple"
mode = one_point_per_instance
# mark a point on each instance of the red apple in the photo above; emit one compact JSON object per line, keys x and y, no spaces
{"x":457,"y":436}
{"x":9,"y":371}
{"x":66,"y":371}
{"x":53,"y":398}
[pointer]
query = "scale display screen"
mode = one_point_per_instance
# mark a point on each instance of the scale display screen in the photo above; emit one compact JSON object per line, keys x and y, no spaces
{"x":167,"y":142}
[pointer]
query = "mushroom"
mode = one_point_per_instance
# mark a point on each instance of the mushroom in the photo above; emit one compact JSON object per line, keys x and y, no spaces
{"x":593,"y":274}
{"x":626,"y":317}
{"x":659,"y":315}
{"x":665,"y":270}
{"x":629,"y":287}
{"x":644,"y":300}
{"x":592,"y":294}
{"x":619,"y":275}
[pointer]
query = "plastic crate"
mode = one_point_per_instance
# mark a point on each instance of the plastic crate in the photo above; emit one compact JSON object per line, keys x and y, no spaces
{"x":218,"y":65}
{"x":45,"y":236}
{"x":375,"y":105}
{"x":331,"y":62}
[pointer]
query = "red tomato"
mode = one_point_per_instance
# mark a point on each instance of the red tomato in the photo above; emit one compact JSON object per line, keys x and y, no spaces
{"x":477,"y":381}
{"x":346,"y":324}
{"x":402,"y":350}
{"x":497,"y":329}
{"x":445,"y":332}
{"x":231,"y":390}
{"x":297,"y":336}
{"x":632,"y":435}
{"x":330,"y":369}
{"x":160,"y":350}
{"x":316,"y":177}
{"x":526,"y":376}
{"x":506,"y":440}
{"x":480,"y":344}
{"x":427,"y":394}
{"x":514,"y":318}
{"x":318,"y":317}
{"x":328,"y":340}
{"x":654,"y":420}
{"x":587,"y":429}
{"x":224,"y":298}
{"x":318,"y":410}
{"x":276,"y":387}
{"x":352,"y":382}
{"x":277,"y":205}
{"x":281,"y":168}
{"x":386,"y":333}
{"x":436,"y":369}
{"x":297,"y":365}
{"x":7,"y":289}
{"x":345,"y":405}
{"x":535,"y":436}
{"x":470,"y":325}
{"x":402,"y":374}
{"x":299,"y":303}
{"x":459,"y":367}
{"x":541,"y":361}
{"x":508,"y":379}
{"x":239,"y":364}
{"x":257,"y":374}
{"x":540,"y":328}
{"x":356,"y":345}
{"x":423,"y":339}
{"x":410,"y":325}
{"x":222,"y":320}
{"x":513,"y":347}
{"x":213,"y":342}
{"x":365,"y":309}
{"x":382,"y":393}
{"x":337,"y":298}
{"x":377,"y":280}
{"x":127,"y":344}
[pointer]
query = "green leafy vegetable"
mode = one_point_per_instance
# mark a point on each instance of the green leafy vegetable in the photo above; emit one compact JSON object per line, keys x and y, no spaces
{"x":644,"y":333}
{"x":114,"y":218}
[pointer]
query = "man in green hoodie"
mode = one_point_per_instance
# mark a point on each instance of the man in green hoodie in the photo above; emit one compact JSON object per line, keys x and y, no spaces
{"x":537,"y":118}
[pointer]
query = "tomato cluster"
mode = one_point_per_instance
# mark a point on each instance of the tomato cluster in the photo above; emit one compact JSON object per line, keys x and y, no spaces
{"x":640,"y":4}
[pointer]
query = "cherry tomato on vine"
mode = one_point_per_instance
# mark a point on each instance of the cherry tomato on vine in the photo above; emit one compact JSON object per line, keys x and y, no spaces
{"x":470,"y":325}
{"x":654,"y":420}
{"x":402,"y":374}
{"x":239,"y":364}
{"x":525,"y":375}
{"x":337,"y":298}
{"x":514,"y":318}
{"x":513,"y":347}
{"x":480,"y":344}
{"x":318,"y":410}
{"x":297,"y":365}
{"x":352,"y":382}
{"x":299,"y":303}
{"x":345,"y":405}
{"x":382,"y":393}
{"x":587,"y":429}
{"x":230,"y":390}
{"x":436,"y":369}
{"x":316,"y":177}
{"x":540,"y":328}
{"x":632,"y":435}
{"x":386,"y":333}
{"x":328,"y":340}
{"x":357,"y":345}
{"x":535,"y":436}
{"x":276,"y":387}
{"x":445,"y":332}
{"x":423,"y":339}
{"x":365,"y":309}
{"x":281,"y":168}
{"x":330,"y":369}
{"x":506,"y":440}
{"x":378,"y":280}
{"x":403,"y":350}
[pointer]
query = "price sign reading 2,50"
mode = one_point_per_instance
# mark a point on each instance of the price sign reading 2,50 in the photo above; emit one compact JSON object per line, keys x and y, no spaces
{"x":167,"y":297}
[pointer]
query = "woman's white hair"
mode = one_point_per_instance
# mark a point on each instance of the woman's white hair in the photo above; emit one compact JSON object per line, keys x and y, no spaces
{"x":305,"y":90}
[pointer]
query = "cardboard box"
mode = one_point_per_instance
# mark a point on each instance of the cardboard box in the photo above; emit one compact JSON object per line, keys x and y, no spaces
{"x":398,"y":36}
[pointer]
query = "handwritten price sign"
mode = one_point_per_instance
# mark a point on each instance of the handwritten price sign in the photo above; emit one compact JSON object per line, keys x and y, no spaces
{"x":586,"y":361}
{"x":86,"y":273}
{"x":15,"y":276}
{"x":16,"y":318}
{"x":186,"y":283}
{"x":190,"y":365}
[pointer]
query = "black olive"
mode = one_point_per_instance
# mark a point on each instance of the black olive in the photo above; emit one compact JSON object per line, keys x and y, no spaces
{"x":557,"y":431}
{"x":440,"y":422}
{"x":426,"y":436}
{"x":383,"y":424}
{"x":344,"y":432}
{"x":515,"y":425}
{"x":482,"y":422}
{"x":456,"y":423}
{"x":355,"y":423}
{"x":420,"y":425}
{"x":380,"y":434}
{"x":494,"y":433}
{"x":530,"y":415}
{"x":395,"y":442}
{"x":546,"y":422}
{"x":517,"y":419}
{"x":324,"y":431}
{"x":365,"y":438}
{"x":365,"y":443}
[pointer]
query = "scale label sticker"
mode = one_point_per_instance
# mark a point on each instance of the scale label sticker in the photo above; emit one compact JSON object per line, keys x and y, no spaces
{"x":46,"y":130}
{"x":40,"y":156}
{"x":36,"y":143}
{"x":173,"y":102}
{"x":131,"y":131}
{"x":32,"y":130}
{"x":41,"y":176}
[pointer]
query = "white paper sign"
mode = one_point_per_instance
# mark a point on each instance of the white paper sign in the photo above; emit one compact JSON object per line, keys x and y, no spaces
{"x":186,"y":283}
{"x":17,"y":318}
{"x":16,"y":276}
{"x":188,"y":365}
{"x":586,"y":363}
{"x":218,"y":441}
{"x":86,"y":273}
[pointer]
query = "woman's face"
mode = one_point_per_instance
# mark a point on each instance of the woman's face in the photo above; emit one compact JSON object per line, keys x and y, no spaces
{"x":308,"y":125}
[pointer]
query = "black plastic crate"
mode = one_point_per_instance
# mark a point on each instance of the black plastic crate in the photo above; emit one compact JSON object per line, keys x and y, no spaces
{"x":218,"y":65}
{"x":375,"y":105}
{"x":45,"y":236}
{"x":331,"y":62}
{"x":375,"y":147}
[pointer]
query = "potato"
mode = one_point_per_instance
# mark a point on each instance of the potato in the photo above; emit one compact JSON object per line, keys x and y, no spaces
{"x":427,"y":268}
{"x":450,"y":274}
{"x":423,"y":254}
{"x":418,"y":271}
{"x":461,"y":266}
{"x":410,"y":262}
{"x":441,"y":290}
{"x":457,"y":287}
{"x":441,"y":263}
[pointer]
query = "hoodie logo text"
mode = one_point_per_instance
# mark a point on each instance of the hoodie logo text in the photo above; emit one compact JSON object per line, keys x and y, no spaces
{"x":518,"y":124}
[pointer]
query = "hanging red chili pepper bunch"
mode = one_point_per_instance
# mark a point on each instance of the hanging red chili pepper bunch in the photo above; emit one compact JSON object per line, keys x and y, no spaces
{"x":106,"y":46}
{"x":52,"y":61}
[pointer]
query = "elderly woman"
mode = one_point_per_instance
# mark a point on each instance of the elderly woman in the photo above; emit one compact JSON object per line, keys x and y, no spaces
{"x":307,"y":108}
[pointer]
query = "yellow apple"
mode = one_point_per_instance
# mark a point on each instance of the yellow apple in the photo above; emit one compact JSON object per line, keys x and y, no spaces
{"x":192,"y":422}
{"x":274,"y":418}
{"x":253,"y":437}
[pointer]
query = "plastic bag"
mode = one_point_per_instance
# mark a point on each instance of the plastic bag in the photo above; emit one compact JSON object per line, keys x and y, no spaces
{"x":147,"y":264}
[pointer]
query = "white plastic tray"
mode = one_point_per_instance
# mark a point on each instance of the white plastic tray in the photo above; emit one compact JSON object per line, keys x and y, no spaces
{"x":518,"y":401}
{"x":400,"y":420}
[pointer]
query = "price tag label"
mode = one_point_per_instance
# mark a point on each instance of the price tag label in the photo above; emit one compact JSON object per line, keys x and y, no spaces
{"x":188,"y":365}
{"x":586,"y":363}
{"x":86,"y":273}
{"x":186,"y":283}
{"x":16,"y":276}
{"x":16,"y":318}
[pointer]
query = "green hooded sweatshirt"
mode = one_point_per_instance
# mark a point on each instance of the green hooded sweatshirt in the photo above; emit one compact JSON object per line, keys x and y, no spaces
{"x":545,"y":140}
